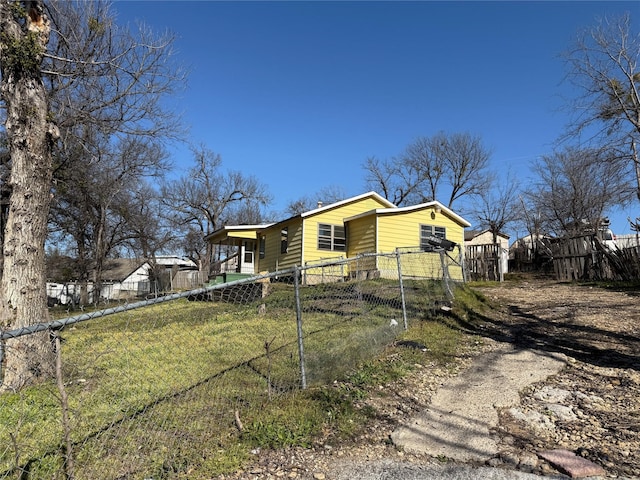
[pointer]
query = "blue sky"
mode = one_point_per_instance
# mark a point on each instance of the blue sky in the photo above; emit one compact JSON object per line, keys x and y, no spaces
{"x":300,"y":94}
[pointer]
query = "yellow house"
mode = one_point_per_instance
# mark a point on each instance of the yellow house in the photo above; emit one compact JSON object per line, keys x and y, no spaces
{"x":366,"y":223}
{"x":384,"y":230}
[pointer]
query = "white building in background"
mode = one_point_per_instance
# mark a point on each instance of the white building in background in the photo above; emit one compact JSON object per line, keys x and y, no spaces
{"x":628,"y":240}
{"x":485,"y":237}
{"x":123,"y":278}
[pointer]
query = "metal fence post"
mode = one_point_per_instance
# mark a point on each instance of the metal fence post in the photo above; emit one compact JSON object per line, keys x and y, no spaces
{"x":404,"y":305}
{"x":446,"y":277}
{"x":296,"y":283}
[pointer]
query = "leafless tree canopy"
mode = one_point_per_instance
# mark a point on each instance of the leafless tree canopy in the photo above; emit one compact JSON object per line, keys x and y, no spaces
{"x":100,"y":197}
{"x":206,"y":198}
{"x":395,"y":180}
{"x":107,"y":77}
{"x":498,"y":206}
{"x":603,"y":67}
{"x":445,"y":167}
{"x":324,"y":196}
{"x":108,"y":87}
{"x":575,"y":188}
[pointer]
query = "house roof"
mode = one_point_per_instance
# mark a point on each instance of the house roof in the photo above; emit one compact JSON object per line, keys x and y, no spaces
{"x":235,"y":231}
{"x":64,"y":269}
{"x":330,"y":206}
{"x":396,"y":210}
{"x":118,"y":269}
{"x":172,"y":260}
{"x":324,"y":208}
{"x":471,"y":234}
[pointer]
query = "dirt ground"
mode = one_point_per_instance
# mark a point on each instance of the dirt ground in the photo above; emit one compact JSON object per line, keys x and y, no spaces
{"x":599,"y":331}
{"x":591,"y":407}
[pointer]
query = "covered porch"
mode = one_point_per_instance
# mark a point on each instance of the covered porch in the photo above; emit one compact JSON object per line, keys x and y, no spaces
{"x":235,"y":251}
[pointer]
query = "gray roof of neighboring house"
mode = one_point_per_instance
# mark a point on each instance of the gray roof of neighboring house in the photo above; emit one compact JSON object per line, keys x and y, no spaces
{"x":62,"y":268}
{"x":118,"y":269}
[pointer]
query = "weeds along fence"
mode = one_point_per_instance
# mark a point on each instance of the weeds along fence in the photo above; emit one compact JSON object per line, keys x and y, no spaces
{"x":161,"y":388}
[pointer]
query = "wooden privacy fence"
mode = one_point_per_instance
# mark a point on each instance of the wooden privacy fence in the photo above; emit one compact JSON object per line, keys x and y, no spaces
{"x":574,"y":258}
{"x":587,"y":258}
{"x":188,"y":279}
{"x":484,"y":262}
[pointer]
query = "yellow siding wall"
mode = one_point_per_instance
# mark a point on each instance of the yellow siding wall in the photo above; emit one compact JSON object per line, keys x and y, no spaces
{"x":334,"y":216}
{"x":361,"y":236}
{"x":275,"y":260}
{"x":381,"y":233}
{"x":403,"y":230}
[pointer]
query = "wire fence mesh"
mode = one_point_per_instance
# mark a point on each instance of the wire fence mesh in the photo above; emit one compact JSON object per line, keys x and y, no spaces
{"x":157,"y":389}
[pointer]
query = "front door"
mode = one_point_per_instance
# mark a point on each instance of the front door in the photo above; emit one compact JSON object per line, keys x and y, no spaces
{"x":247,"y":255}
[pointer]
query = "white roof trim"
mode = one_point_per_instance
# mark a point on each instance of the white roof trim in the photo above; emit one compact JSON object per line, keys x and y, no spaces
{"x":237,"y":228}
{"x":245,"y":227}
{"x":435,"y":203}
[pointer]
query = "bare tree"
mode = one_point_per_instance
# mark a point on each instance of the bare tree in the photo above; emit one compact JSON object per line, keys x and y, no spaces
{"x":30,"y":132}
{"x":107,"y":85}
{"x":395,"y":179}
{"x":467,"y":162}
{"x":603,"y":66}
{"x":108,"y":78}
{"x":324,"y":196}
{"x":203,"y":200}
{"x":66,"y":62}
{"x":427,"y":157}
{"x":498,"y":206}
{"x":95,"y":201}
{"x":147,"y":234}
{"x":575,"y":188}
{"x":444,"y":165}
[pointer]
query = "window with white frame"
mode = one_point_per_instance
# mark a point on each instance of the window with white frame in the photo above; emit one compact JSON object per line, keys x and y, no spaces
{"x":331,"y":237}
{"x":427,"y":231}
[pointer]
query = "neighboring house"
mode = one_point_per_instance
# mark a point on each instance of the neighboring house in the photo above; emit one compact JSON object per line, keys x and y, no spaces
{"x":485,"y":237}
{"x":125,"y":278}
{"x":480,"y":246}
{"x":366,"y":223}
{"x":129,"y":277}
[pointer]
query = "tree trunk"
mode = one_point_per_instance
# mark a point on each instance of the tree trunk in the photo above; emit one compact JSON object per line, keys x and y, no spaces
{"x":83,"y":272}
{"x":101,"y":251}
{"x":23,"y":300}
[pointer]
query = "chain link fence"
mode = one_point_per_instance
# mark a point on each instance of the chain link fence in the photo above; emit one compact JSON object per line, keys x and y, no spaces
{"x":159,"y":388}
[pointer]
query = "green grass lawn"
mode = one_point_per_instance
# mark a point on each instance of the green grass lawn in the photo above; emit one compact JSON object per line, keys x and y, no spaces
{"x":158,"y":392}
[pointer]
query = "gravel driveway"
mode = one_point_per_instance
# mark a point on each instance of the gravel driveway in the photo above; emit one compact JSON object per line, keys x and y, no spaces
{"x":590,"y":405}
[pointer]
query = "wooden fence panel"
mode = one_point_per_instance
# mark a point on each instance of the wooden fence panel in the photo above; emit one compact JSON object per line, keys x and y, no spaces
{"x":482,"y":262}
{"x":572,"y":257}
{"x":188,"y":280}
{"x":587,"y":258}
